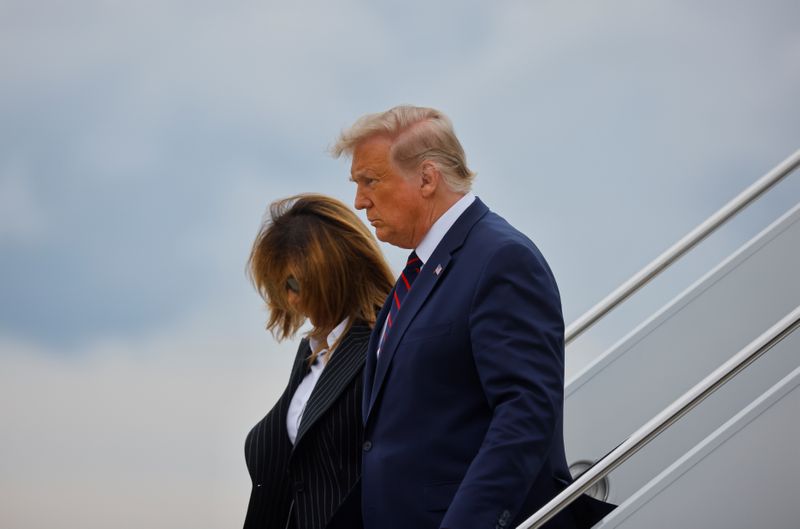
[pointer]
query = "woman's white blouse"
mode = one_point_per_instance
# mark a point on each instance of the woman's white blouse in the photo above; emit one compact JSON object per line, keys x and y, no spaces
{"x":298,"y":404}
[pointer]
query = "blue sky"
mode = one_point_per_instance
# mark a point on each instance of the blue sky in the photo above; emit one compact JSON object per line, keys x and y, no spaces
{"x":140,"y":144}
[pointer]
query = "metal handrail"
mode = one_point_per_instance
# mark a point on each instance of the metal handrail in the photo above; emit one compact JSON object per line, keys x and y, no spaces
{"x":666,"y":418}
{"x":689,"y":241}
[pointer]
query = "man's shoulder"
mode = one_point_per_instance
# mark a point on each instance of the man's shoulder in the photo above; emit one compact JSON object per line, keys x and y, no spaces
{"x":494,"y":239}
{"x":494,"y":231}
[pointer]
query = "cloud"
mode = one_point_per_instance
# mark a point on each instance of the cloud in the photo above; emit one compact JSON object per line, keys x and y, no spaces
{"x":135,"y":433}
{"x":23,"y":219}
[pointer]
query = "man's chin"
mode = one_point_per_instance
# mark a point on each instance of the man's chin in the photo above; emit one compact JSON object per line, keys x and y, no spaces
{"x":383,"y":236}
{"x":388,"y":237}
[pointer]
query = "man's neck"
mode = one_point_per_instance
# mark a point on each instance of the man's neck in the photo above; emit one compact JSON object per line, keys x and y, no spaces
{"x":442,"y":225}
{"x":436,"y":209}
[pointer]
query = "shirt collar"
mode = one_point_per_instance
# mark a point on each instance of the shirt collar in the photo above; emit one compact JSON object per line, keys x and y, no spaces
{"x":332,"y":338}
{"x":442,"y":226}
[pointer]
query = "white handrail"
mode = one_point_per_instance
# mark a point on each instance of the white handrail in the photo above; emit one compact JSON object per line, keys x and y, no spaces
{"x":689,"y":241}
{"x":666,"y":418}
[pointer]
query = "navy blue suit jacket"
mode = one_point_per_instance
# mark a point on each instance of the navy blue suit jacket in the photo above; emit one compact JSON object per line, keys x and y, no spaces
{"x":463,"y":409}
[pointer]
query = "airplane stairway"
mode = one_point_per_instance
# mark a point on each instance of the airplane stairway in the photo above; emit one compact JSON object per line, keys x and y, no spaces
{"x":693,"y":418}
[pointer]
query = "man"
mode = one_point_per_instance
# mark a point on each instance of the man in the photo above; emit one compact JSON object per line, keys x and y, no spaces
{"x":464,"y":375}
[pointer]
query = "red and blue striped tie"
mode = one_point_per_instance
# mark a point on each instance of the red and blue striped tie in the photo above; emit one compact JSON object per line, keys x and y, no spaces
{"x":401,"y":289}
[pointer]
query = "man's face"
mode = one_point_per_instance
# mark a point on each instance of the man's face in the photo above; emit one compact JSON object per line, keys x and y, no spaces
{"x":392,"y":200}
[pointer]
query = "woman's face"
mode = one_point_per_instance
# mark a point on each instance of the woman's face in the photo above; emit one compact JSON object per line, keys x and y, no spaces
{"x":294,"y":298}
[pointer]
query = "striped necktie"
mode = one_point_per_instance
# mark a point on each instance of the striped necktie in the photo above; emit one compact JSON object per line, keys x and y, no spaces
{"x":401,"y":290}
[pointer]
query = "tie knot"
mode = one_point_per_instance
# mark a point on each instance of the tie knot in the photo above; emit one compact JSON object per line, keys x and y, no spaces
{"x":409,"y":274}
{"x":413,"y":266}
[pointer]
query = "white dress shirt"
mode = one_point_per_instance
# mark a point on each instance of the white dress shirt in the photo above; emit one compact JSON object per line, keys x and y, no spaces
{"x":301,"y":395}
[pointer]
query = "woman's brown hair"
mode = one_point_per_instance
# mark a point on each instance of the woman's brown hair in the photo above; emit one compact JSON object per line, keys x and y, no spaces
{"x":330,"y":253}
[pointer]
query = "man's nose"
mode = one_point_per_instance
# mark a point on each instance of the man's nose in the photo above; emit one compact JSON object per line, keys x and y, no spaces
{"x":361,"y":201}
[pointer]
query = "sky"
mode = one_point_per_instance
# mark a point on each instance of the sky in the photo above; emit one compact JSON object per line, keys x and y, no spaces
{"x":142,"y":142}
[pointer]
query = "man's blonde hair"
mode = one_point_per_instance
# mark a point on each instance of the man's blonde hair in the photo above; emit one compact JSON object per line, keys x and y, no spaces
{"x":418,"y":134}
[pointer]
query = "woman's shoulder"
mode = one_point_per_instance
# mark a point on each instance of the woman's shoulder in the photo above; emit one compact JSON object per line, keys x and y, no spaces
{"x":359,"y":331}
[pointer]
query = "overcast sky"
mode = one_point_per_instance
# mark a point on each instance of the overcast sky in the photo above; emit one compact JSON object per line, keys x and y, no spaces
{"x":141,"y":143}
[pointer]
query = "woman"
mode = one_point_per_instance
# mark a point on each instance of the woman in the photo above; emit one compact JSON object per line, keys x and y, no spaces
{"x":314,"y":260}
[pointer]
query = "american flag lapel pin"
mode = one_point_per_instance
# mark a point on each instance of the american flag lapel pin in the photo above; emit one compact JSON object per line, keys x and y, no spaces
{"x":438,"y":269}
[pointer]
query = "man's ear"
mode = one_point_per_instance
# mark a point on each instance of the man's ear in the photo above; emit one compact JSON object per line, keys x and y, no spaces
{"x":431,"y":178}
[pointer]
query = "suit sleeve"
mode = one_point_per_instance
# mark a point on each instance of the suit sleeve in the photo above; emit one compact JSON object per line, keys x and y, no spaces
{"x":517,"y":337}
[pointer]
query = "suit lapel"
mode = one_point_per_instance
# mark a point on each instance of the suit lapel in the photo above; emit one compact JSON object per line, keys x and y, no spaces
{"x":369,"y":368}
{"x":277,"y":427}
{"x":344,"y":364}
{"x":432,"y":272}
{"x":299,"y":370}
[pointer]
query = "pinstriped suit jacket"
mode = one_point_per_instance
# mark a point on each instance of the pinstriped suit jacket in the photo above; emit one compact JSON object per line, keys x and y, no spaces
{"x":315,"y":482}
